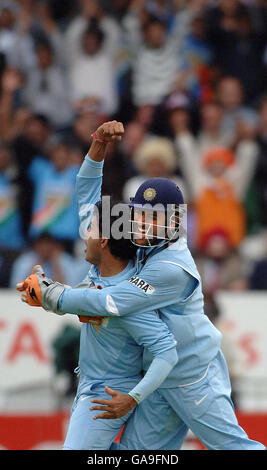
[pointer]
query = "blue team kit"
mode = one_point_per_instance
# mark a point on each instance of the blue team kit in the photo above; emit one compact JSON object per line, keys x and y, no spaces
{"x":196,"y":393}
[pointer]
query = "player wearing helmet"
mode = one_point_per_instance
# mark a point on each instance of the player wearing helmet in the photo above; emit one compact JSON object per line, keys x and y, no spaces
{"x":156,"y":212}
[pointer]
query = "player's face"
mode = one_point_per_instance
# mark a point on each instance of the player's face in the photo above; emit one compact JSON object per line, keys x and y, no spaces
{"x":93,"y":243}
{"x":148,"y":225}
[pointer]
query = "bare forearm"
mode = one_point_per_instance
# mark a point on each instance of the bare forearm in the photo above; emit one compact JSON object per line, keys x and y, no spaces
{"x":97,"y":150}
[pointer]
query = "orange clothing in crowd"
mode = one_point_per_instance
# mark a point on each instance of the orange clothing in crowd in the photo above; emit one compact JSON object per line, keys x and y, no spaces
{"x":217,"y":208}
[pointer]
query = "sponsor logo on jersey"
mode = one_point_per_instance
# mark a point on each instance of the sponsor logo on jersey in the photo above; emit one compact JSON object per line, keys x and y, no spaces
{"x":143,"y":285}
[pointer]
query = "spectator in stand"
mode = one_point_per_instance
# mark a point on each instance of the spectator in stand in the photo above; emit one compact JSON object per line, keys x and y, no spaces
{"x":92,"y":77}
{"x":238,"y":118}
{"x":32,"y":141}
{"x":11,"y":234}
{"x":154,"y":158}
{"x":47,"y":90}
{"x":230,"y":94}
{"x":33,"y":135}
{"x":155,"y":45}
{"x":239,"y":48}
{"x":198,"y":53}
{"x":221,"y":267}
{"x":177,"y":118}
{"x":177,"y":112}
{"x":16,"y":44}
{"x":83,"y":125}
{"x":212,"y":133}
{"x":217,"y":204}
{"x":36,"y":20}
{"x":158,"y":53}
{"x":224,"y":121}
{"x":242,"y":121}
{"x":54,"y":204}
{"x":49,"y":252}
{"x":91,"y":13}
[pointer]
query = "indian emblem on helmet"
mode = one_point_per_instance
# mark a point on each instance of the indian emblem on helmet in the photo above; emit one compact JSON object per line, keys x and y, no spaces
{"x":149,"y":194}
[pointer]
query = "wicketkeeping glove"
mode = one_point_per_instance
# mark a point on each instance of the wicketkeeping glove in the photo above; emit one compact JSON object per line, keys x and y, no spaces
{"x":40,"y":291}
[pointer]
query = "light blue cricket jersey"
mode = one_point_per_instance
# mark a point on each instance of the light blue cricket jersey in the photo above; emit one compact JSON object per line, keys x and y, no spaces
{"x":114,"y":349}
{"x":168,"y":282}
{"x":198,"y":341}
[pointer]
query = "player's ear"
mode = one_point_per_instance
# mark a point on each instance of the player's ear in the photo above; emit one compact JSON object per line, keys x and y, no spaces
{"x":103,"y":242}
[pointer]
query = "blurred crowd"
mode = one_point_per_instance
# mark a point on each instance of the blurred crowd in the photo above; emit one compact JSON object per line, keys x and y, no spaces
{"x":188,"y":80}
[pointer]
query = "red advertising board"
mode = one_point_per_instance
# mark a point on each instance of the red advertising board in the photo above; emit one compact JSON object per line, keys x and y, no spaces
{"x":47,"y":431}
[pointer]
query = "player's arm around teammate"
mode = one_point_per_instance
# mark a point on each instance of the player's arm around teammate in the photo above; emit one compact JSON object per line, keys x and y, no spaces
{"x":165,"y":351}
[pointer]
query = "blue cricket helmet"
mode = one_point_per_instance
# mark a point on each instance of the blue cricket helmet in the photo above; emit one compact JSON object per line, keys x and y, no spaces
{"x":157,"y":191}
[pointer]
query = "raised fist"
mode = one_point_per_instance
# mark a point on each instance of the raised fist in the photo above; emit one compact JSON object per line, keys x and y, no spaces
{"x":111,"y":131}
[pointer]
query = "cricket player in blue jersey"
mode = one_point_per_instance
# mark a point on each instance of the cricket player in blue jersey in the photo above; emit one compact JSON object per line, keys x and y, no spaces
{"x":196,"y":393}
{"x":111,"y":349}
